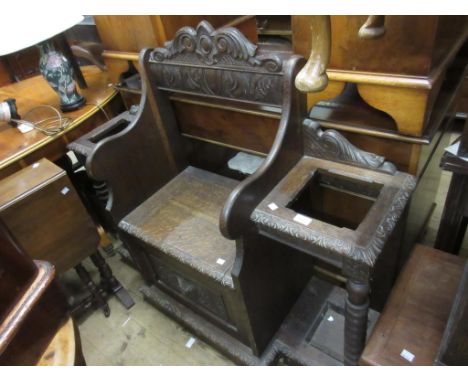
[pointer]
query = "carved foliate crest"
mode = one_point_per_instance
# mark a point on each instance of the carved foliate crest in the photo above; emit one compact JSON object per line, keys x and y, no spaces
{"x":331,"y":145}
{"x":224,"y":46}
{"x":218,"y":63}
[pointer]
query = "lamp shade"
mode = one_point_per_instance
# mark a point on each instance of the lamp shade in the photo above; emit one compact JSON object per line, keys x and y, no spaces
{"x":14,"y":38}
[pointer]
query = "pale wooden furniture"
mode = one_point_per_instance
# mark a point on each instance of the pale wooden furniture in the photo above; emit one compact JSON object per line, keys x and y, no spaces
{"x":391,"y":72}
{"x":18,"y":150}
{"x":65,"y":348}
{"x":313,"y":77}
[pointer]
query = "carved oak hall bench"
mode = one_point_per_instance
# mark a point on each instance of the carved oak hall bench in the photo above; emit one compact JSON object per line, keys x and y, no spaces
{"x":229,"y":256}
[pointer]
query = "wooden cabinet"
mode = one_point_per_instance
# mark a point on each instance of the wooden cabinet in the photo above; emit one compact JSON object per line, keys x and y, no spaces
{"x":398,"y":77}
{"x":411,"y":45}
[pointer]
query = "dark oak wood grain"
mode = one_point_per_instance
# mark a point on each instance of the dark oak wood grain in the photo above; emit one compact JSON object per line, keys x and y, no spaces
{"x":244,"y":287}
{"x":174,"y":203}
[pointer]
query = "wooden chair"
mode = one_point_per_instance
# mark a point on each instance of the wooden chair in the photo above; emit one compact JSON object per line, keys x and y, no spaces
{"x":234,"y":287}
{"x":169,"y":211}
{"x":64,"y":235}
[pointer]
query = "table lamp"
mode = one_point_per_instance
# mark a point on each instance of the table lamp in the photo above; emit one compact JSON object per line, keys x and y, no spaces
{"x":54,"y":66}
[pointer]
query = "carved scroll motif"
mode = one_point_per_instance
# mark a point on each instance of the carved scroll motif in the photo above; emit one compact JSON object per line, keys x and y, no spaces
{"x":331,"y":145}
{"x":225,"y":46}
{"x":255,"y":87}
{"x":218,"y":63}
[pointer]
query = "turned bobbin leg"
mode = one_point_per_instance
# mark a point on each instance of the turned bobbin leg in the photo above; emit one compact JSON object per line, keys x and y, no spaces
{"x":110,"y":282}
{"x":97,"y":299}
{"x":357,"y":308}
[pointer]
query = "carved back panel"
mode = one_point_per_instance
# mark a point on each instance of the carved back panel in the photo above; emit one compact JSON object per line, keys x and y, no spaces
{"x":219,"y":63}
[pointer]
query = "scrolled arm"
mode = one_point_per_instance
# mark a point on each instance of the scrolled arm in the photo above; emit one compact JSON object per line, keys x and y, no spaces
{"x":285,"y":152}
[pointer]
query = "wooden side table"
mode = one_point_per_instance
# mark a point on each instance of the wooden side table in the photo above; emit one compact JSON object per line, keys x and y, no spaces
{"x":44,"y":212}
{"x":18,"y":150}
{"x":410,"y":329}
{"x":64,"y":349}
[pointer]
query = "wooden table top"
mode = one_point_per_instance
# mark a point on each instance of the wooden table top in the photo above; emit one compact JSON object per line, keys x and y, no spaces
{"x":415,"y":316}
{"x":35,"y":91}
{"x":61,"y":350}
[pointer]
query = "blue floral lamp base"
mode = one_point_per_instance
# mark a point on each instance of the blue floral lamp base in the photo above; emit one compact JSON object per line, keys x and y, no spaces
{"x":58,"y":72}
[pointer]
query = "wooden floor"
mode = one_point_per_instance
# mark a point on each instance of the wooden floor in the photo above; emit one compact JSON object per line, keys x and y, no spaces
{"x":141,"y":335}
{"x":144,"y":336}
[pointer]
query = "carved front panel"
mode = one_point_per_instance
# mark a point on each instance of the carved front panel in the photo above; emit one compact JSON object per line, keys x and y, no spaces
{"x":220,"y":83}
{"x":191,"y":291}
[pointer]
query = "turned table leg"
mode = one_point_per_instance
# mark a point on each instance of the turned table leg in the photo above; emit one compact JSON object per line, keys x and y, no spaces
{"x":357,"y":308}
{"x":110,"y":282}
{"x":93,"y":289}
